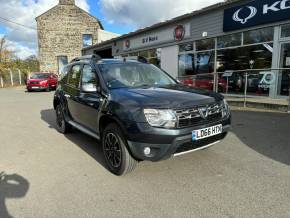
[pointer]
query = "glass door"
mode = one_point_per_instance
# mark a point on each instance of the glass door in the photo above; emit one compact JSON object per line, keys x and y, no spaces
{"x":284,"y":81}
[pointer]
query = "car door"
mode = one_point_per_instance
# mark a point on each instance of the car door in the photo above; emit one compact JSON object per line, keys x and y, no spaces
{"x":89,"y":99}
{"x":72,"y":90}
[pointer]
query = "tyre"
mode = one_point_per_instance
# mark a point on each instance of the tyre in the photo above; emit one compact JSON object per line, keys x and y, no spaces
{"x":47,"y":89}
{"x":117,"y":156}
{"x":62,"y":126}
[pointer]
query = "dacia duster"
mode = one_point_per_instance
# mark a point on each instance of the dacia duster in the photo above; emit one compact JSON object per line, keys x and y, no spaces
{"x":137,"y":111}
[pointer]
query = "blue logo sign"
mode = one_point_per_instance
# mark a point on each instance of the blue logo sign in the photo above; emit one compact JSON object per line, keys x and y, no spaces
{"x":256,"y":13}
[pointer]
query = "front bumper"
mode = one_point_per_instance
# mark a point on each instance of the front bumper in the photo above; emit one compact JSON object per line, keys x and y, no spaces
{"x":36,"y":87}
{"x":165,"y":143}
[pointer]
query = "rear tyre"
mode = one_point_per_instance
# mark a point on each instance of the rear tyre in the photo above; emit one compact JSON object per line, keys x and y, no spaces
{"x":62,"y":126}
{"x":117,"y":156}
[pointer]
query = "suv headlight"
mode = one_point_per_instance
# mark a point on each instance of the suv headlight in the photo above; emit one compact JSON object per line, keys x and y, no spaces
{"x":225,"y":108}
{"x":161,"y":118}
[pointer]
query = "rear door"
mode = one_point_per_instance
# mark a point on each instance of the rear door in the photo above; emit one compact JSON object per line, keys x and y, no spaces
{"x":89,"y":99}
{"x":72,"y":90}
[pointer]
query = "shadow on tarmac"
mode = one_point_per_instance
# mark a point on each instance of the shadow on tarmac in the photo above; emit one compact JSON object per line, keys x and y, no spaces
{"x":88,"y":144}
{"x":266,"y":133}
{"x":11,"y":186}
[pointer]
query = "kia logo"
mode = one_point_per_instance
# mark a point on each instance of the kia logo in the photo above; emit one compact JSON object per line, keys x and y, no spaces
{"x":179,"y":33}
{"x":236,"y":16}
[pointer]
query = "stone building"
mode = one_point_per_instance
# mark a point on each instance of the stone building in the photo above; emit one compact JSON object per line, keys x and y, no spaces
{"x":63,"y":31}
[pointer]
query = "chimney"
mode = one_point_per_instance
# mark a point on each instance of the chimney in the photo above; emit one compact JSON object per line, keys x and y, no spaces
{"x":66,"y":2}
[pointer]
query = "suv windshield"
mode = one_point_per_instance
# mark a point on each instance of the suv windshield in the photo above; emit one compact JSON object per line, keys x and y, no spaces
{"x":40,"y":76}
{"x":133,"y":75}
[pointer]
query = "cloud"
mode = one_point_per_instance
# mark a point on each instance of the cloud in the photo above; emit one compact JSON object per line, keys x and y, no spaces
{"x":143,"y":13}
{"x":24,"y":40}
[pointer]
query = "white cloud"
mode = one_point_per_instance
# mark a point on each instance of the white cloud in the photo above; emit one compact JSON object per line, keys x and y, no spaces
{"x":143,"y":13}
{"x":24,"y":40}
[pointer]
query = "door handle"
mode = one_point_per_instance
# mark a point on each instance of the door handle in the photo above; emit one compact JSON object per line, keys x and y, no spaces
{"x":67,"y":96}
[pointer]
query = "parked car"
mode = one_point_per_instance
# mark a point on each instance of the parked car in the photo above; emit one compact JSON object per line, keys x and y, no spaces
{"x":205,"y":82}
{"x":137,"y":111}
{"x":42,"y":81}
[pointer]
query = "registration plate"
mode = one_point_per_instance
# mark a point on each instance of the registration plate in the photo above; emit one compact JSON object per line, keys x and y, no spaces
{"x":207,"y":132}
{"x":35,"y":87}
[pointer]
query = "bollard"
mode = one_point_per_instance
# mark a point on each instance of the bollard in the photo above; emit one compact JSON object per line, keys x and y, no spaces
{"x":1,"y":81}
{"x":19,"y":74}
{"x":289,"y":102}
{"x":246,"y":89}
{"x":11,"y":77}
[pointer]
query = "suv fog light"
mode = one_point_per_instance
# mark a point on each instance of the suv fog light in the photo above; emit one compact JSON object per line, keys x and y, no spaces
{"x":147,"y":151}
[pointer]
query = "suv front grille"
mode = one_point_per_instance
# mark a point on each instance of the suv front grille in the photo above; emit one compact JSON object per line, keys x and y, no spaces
{"x":199,"y":115}
{"x":34,"y":83}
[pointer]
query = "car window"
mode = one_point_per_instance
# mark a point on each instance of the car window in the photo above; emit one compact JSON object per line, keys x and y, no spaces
{"x":40,"y":76}
{"x":74,"y":76}
{"x":133,"y":75}
{"x":89,"y":81}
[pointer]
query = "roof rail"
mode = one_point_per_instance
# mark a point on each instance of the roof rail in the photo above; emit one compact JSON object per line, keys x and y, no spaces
{"x":137,"y":58}
{"x":93,"y":57}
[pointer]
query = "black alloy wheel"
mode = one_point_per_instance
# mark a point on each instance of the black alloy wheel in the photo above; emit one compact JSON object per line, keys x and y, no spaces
{"x":112,"y":150}
{"x":62,"y":125}
{"x":116,"y":153}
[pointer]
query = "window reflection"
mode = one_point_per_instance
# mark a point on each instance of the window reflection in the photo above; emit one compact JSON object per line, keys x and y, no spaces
{"x":204,"y":62}
{"x":239,"y":58}
{"x":205,"y":44}
{"x":186,"y":47}
{"x":285,"y":63}
{"x":285,"y":31}
{"x":229,"y":40}
{"x":186,"y":65}
{"x":258,"y":36}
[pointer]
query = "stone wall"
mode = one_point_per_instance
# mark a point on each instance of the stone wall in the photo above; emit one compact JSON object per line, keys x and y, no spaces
{"x":60,"y":32}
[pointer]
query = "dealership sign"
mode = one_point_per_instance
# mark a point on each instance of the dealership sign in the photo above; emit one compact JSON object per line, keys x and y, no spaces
{"x":166,"y":35}
{"x":256,"y":13}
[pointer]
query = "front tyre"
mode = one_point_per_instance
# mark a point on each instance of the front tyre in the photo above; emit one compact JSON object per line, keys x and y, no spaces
{"x":117,"y":156}
{"x":62,"y":126}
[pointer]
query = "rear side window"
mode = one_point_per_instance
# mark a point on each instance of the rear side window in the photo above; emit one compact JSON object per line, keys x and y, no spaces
{"x":74,"y":76}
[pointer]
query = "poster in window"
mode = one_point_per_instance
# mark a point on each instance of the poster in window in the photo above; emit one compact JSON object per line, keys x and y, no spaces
{"x":87,"y":40}
{"x":287,"y":61}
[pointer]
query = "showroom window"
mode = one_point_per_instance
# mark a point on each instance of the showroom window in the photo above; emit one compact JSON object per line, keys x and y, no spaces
{"x":285,"y":31}
{"x":229,"y":40}
{"x":204,"y":62}
{"x":153,"y":56}
{"x":186,"y":47}
{"x":258,"y":36}
{"x":205,"y":44}
{"x":186,"y":65}
{"x":239,"y":58}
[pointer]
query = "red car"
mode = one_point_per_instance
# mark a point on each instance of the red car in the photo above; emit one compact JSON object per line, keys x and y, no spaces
{"x":42,"y":81}
{"x":205,"y":82}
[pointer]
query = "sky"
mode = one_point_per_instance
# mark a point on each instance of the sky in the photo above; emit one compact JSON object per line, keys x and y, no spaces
{"x":119,"y":16}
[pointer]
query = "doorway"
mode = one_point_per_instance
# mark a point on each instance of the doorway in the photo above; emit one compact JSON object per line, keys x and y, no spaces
{"x":284,"y":74}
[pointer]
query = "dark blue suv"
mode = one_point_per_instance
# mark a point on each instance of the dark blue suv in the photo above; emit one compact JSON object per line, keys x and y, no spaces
{"x":137,"y":111}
